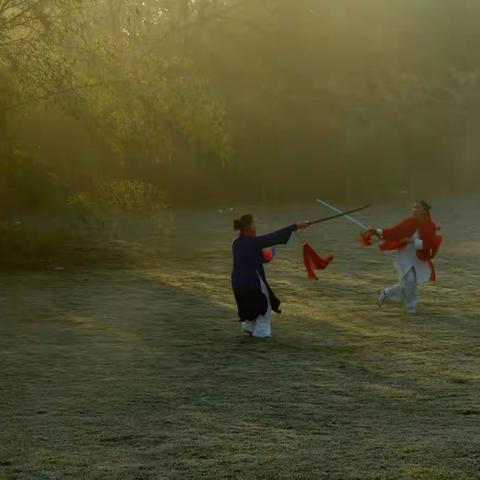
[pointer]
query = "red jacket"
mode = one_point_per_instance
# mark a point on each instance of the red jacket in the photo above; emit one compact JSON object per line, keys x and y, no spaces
{"x":397,"y":236}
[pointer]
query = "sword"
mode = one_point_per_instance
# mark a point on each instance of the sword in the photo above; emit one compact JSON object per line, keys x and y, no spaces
{"x":343,"y":214}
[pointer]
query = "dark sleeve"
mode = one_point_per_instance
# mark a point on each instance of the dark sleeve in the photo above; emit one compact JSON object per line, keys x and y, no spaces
{"x":280,"y":237}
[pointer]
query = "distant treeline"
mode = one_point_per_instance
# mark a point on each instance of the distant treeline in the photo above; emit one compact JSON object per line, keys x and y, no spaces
{"x":136,"y":104}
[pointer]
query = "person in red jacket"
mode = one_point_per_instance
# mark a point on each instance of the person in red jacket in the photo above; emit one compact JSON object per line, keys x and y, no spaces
{"x":417,"y":243}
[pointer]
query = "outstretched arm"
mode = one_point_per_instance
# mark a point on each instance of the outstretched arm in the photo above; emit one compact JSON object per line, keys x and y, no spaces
{"x":400,"y":233}
{"x":280,"y":237}
{"x":404,"y":230}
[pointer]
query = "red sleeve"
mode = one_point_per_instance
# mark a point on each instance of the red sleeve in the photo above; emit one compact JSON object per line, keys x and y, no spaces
{"x":428,"y":233}
{"x":405,"y":229}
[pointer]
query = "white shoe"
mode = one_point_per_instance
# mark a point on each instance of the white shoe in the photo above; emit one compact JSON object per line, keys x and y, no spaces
{"x":248,"y":327}
{"x":381,"y":297}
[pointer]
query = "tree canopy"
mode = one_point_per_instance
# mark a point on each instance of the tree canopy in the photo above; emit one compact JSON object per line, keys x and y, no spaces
{"x":222,"y":100}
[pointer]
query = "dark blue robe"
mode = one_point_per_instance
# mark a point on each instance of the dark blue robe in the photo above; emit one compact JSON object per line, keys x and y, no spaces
{"x":248,"y":266}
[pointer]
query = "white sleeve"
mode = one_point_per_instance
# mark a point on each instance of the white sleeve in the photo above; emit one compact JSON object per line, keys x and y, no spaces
{"x":418,"y":243}
{"x":380,"y":232}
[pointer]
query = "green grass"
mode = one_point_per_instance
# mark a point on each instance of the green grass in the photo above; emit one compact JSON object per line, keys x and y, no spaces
{"x":142,"y":373}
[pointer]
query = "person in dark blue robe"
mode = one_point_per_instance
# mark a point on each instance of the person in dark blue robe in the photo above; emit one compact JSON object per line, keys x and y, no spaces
{"x":254,"y":297}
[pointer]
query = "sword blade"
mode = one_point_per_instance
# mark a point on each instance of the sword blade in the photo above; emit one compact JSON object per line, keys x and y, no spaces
{"x":348,"y":217}
{"x":325,"y":219}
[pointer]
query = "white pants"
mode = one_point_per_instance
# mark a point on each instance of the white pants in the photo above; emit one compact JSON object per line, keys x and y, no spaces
{"x":405,"y":291}
{"x":262,"y":326}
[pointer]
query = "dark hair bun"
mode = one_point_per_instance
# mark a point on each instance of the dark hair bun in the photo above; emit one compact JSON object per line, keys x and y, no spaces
{"x":243,"y":222}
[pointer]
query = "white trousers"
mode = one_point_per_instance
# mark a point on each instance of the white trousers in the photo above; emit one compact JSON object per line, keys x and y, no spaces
{"x":262,"y":326}
{"x":405,"y":291}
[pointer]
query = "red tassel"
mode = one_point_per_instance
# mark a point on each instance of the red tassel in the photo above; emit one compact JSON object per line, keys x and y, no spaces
{"x":313,"y":261}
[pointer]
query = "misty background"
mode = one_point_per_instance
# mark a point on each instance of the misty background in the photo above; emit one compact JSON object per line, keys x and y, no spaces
{"x":140,"y":104}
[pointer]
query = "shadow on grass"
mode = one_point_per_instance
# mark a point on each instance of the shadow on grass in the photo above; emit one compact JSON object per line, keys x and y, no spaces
{"x":117,"y":374}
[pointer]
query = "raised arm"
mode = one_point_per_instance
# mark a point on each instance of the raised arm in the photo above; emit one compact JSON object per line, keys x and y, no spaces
{"x":280,"y":237}
{"x":403,"y":230}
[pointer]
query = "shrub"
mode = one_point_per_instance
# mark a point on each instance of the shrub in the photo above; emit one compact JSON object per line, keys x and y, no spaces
{"x":129,"y":196}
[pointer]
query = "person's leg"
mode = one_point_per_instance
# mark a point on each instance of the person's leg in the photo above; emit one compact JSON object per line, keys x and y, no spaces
{"x":410,"y":291}
{"x":248,"y":327}
{"x":392,"y":294}
{"x":263,"y":327}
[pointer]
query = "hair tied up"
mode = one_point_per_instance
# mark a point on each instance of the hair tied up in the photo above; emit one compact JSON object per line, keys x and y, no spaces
{"x":243,"y":222}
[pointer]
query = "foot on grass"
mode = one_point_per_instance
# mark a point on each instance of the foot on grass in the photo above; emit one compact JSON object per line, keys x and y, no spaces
{"x":381,"y":296}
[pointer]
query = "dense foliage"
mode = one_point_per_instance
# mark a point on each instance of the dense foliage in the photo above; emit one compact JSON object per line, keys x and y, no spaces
{"x":225,"y":100}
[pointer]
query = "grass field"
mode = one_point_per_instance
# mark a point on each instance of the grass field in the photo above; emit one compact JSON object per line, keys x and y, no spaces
{"x":141,"y":373}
